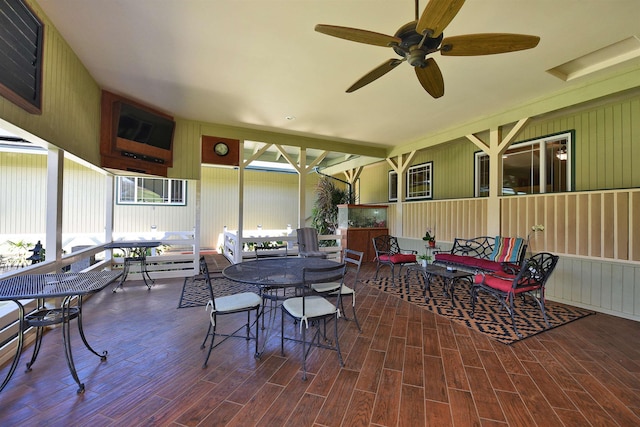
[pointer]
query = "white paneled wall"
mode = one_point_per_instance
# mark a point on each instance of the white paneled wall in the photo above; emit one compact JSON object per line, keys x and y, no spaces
{"x":604,"y":286}
{"x":22,"y":197}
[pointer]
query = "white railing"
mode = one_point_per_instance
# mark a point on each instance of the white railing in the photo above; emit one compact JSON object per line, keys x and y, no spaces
{"x":236,"y":249}
{"x":93,"y":255}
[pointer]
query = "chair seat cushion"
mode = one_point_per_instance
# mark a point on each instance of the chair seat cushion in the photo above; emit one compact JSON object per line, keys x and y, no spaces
{"x":236,"y":302}
{"x":325,"y":287}
{"x":398,"y":258}
{"x":331,"y":288}
{"x":347,"y":290}
{"x":315,"y":306}
{"x":502,"y":282}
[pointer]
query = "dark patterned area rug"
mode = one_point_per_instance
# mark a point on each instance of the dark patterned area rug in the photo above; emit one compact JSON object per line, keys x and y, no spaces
{"x":196,"y":293}
{"x":490,"y":317}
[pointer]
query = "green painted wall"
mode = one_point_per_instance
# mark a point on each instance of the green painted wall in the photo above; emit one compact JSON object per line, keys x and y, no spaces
{"x":70,"y":116}
{"x":607,"y":146}
{"x":606,"y":153}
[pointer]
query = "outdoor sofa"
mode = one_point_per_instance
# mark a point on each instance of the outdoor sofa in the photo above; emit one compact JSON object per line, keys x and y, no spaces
{"x":485,"y":254}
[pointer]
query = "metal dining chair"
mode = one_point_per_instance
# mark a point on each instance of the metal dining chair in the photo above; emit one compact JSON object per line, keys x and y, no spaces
{"x":229,"y":304}
{"x":353,"y":261}
{"x":308,"y":245}
{"x":314,"y":310}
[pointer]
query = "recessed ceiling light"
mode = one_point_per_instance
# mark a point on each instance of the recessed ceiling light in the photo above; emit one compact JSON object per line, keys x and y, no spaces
{"x":600,"y":59}
{"x":290,"y":117}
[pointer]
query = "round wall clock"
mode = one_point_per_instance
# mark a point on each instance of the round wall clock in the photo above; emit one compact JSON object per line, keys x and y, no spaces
{"x":221,"y":149}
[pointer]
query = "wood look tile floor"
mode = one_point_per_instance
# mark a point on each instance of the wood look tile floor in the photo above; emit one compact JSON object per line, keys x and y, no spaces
{"x":408,"y":367}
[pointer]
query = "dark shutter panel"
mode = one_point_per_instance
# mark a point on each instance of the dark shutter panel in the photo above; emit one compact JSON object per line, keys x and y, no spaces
{"x":21,"y":35}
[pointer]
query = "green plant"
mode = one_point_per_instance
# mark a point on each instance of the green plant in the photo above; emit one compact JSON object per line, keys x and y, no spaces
{"x":423,"y":257}
{"x":325,"y":210}
{"x":429,"y":236}
{"x":20,"y":252}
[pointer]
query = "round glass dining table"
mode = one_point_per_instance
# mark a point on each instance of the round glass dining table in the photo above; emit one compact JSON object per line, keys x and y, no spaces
{"x":275,"y":272}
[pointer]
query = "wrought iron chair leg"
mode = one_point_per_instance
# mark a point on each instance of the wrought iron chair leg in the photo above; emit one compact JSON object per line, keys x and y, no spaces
{"x":257,"y":354}
{"x":338,"y":343}
{"x":304,"y":353}
{"x":282,"y":334}
{"x":513,"y":317}
{"x":248,"y":325}
{"x":474,"y":296}
{"x":212,"y":328}
{"x":206,"y":336}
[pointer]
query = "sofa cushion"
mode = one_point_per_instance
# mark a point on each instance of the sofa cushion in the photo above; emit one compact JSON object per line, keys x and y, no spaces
{"x":469,"y":261}
{"x":507,"y":249}
{"x":454,"y":259}
{"x":487,"y":265}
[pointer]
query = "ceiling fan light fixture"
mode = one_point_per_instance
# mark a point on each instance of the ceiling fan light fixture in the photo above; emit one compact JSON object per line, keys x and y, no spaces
{"x":416,"y":40}
{"x":561,"y":154}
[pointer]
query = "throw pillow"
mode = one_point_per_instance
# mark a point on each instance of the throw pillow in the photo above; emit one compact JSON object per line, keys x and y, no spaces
{"x":507,"y":249}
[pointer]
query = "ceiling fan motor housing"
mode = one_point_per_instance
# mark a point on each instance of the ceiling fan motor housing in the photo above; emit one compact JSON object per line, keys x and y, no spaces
{"x":408,"y":48}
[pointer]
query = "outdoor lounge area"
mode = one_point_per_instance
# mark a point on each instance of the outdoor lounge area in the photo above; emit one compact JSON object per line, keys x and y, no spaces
{"x":502,"y":184}
{"x":410,"y":368}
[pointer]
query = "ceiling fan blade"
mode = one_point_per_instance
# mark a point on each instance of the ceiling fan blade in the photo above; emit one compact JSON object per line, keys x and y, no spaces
{"x":487,"y":44}
{"x":376,"y":73}
{"x":431,"y":79}
{"x":356,"y":35}
{"x":437,"y":15}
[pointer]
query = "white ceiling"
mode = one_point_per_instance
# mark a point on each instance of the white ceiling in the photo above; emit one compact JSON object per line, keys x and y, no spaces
{"x":251,"y":63}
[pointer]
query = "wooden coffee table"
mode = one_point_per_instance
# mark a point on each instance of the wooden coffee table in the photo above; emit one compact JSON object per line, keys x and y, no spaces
{"x":449,"y":277}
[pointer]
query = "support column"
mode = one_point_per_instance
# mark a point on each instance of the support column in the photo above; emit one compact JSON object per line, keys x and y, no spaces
{"x":495,"y":149}
{"x":302,"y":184}
{"x":237,"y":254}
{"x":55,"y":175}
{"x":400,"y":166}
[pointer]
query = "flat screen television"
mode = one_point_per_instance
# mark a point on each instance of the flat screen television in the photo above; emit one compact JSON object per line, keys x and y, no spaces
{"x":134,"y":137}
{"x":144,"y":127}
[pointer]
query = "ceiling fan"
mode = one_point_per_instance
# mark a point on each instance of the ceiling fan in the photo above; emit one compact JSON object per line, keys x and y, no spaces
{"x":423,"y":36}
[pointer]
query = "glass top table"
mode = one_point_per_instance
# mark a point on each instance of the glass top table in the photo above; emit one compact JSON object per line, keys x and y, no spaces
{"x":449,"y":277}
{"x":270,"y":273}
{"x":274,"y":271}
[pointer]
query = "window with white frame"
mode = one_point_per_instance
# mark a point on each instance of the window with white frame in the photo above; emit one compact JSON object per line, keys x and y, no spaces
{"x":133,"y":190}
{"x":393,"y":186}
{"x":419,"y":181}
{"x":542,"y":165}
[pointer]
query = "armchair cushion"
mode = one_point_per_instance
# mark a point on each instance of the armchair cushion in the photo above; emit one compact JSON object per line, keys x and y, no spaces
{"x":508,"y":249}
{"x":399,"y":258}
{"x":504,"y":282}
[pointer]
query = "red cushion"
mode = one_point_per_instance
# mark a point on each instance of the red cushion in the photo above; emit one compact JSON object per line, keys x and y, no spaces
{"x":403,"y":258}
{"x":399,"y":258}
{"x":460,"y":259}
{"x":485,"y":264}
{"x":502,"y":282}
{"x":469,"y":261}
